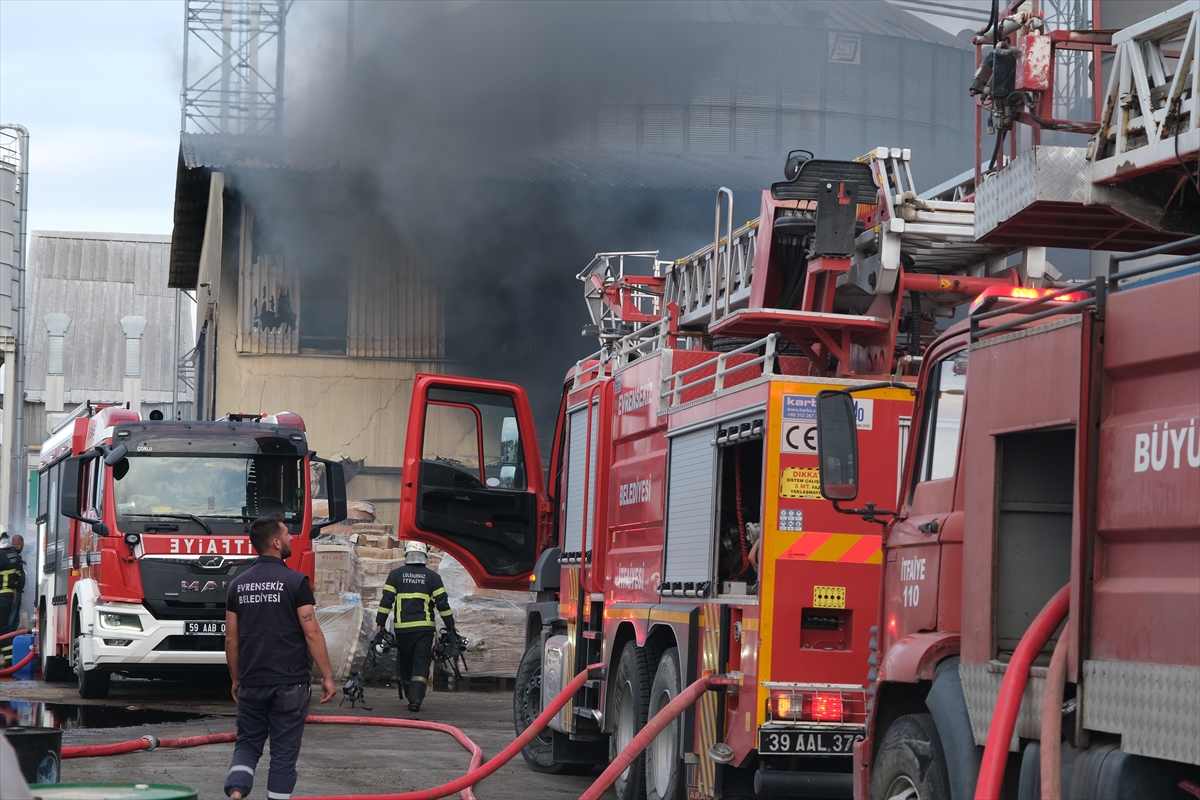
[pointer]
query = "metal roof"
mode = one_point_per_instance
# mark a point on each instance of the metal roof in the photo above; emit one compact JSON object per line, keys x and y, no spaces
{"x":96,"y":279}
{"x":227,"y":150}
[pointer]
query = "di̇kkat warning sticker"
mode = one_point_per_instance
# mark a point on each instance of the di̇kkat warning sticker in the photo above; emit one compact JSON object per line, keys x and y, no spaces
{"x":800,"y":483}
{"x":791,"y":519}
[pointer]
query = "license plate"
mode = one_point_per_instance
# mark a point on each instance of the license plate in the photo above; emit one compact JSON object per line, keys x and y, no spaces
{"x":204,"y":628}
{"x":807,"y":742}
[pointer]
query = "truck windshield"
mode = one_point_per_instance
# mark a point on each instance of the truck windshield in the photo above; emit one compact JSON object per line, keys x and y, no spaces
{"x":211,"y":486}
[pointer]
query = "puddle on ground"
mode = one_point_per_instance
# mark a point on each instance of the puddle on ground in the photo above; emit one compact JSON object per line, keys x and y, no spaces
{"x":69,"y":716}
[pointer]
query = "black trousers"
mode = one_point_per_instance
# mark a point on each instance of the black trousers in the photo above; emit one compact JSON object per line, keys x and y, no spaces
{"x":414,"y":655}
{"x":7,"y":604}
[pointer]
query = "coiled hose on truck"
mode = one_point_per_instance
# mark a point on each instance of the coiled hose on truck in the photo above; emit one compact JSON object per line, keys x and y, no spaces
{"x":477,"y":771}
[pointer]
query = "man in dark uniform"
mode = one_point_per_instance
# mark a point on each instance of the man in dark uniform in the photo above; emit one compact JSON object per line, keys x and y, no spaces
{"x":271,"y":641}
{"x":12,"y":581}
{"x":419,"y":589}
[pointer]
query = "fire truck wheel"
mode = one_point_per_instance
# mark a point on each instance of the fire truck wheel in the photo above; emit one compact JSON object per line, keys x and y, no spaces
{"x":664,"y":778}
{"x":631,"y":703}
{"x":93,"y":684}
{"x":911,"y":764}
{"x":527,"y":705}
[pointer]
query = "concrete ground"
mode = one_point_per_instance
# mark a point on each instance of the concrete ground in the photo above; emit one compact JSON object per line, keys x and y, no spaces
{"x":335,"y":759}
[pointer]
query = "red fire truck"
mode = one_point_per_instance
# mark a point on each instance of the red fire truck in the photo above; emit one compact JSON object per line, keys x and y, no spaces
{"x":681,"y":532}
{"x":143,"y":523}
{"x":1053,"y":472}
{"x":1065,"y":456}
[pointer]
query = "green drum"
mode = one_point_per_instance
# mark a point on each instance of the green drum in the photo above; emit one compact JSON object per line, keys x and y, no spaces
{"x":111,"y":791}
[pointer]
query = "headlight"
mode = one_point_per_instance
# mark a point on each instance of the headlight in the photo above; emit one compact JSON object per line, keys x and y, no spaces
{"x":129,"y":622}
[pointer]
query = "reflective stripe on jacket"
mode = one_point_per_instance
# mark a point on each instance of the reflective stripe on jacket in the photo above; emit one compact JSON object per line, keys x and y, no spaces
{"x":12,"y":571}
{"x":418,"y":590}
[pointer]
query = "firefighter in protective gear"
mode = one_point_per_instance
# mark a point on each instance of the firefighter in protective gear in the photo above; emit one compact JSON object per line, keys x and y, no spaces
{"x":12,"y":581}
{"x":415,"y":590}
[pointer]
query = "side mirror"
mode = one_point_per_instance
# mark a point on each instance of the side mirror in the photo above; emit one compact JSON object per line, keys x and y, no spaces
{"x":70,"y":487}
{"x":335,"y":486}
{"x":510,"y":440}
{"x":837,"y":445}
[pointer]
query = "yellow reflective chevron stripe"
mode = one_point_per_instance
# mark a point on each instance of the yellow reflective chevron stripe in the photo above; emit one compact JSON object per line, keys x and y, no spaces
{"x":439,"y":590}
{"x":447,"y":613}
{"x":387,"y":587}
{"x":421,"y":623}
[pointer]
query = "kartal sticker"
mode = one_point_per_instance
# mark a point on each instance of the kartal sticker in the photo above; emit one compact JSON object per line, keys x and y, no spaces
{"x":798,"y":430}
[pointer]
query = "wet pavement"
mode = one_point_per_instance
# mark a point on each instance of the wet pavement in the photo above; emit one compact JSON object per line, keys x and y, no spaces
{"x":335,"y":759}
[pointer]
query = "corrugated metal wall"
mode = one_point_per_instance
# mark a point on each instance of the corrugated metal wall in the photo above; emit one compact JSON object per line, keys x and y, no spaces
{"x":268,"y":298}
{"x":395,"y":300}
{"x":95,"y":279}
{"x":760,"y":90}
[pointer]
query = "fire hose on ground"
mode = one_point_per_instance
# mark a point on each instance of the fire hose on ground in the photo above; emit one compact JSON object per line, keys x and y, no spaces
{"x":24,"y":661}
{"x":1012,"y":689}
{"x":478,"y":770}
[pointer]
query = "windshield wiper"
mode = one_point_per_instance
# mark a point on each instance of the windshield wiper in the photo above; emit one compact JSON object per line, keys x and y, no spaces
{"x":192,"y":517}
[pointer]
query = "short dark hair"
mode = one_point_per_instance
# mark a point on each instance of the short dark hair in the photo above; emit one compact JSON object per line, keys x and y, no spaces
{"x":263,"y":530}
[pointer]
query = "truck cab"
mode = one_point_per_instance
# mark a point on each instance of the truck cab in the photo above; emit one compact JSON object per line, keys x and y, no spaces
{"x":1035,"y":468}
{"x":142,"y":525}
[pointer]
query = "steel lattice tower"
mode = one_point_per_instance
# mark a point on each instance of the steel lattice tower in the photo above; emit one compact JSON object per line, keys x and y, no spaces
{"x":228,"y":83}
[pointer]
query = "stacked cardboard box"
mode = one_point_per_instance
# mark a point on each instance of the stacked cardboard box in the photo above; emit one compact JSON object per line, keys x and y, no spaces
{"x":333,"y":573}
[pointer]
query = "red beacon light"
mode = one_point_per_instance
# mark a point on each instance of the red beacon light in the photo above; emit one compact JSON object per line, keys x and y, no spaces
{"x":1002,"y":296}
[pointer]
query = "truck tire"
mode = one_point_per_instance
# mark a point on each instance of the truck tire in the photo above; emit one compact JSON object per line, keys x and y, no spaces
{"x":55,"y":669}
{"x":630,"y":704}
{"x":527,"y":705}
{"x":664,"y":768}
{"x":93,"y":683}
{"x":910,"y":764}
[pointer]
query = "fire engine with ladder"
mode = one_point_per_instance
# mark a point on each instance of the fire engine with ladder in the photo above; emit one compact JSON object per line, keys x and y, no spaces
{"x":142,"y":523}
{"x":682,"y":532}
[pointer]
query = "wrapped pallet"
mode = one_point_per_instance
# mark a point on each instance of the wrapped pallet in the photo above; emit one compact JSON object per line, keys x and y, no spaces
{"x":493,"y":621}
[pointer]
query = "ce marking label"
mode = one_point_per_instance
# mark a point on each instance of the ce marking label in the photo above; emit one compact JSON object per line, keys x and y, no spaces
{"x":798,"y":437}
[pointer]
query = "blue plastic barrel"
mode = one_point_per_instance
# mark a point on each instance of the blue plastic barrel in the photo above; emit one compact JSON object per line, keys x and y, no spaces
{"x":21,"y":646}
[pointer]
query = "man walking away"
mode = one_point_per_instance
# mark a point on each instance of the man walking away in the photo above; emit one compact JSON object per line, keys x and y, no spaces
{"x":12,"y":580}
{"x":271,"y":641}
{"x":419,"y":589}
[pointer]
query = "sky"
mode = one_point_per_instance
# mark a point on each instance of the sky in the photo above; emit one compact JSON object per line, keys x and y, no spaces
{"x":97,"y":84}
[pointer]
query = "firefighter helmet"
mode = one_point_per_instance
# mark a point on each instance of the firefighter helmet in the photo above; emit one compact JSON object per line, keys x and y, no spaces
{"x":415,"y":552}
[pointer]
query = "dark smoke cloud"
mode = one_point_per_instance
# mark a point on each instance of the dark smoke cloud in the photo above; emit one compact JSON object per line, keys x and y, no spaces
{"x":443,"y":108}
{"x":439,"y":123}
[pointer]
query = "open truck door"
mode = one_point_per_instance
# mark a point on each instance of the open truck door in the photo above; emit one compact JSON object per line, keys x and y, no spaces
{"x":473,"y":478}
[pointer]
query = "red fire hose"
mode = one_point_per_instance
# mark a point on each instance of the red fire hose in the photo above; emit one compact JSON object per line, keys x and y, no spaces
{"x":20,"y":664}
{"x":145,"y":743}
{"x":11,"y":670}
{"x":1051,"y":735}
{"x":1012,"y":688}
{"x":463,"y":784}
{"x":13,"y":634}
{"x":654,"y":727}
